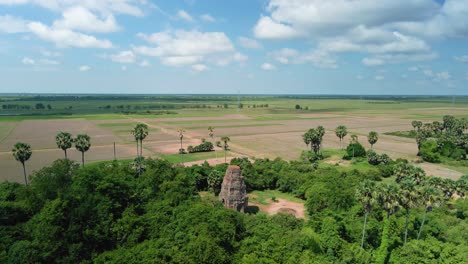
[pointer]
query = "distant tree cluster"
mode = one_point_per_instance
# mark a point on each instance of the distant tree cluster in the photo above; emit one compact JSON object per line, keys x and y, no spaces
{"x":442,"y":139}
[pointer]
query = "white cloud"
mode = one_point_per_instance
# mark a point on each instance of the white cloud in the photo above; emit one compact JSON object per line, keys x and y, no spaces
{"x":11,"y":24}
{"x":177,"y":61}
{"x":207,"y":18}
{"x":47,"y":53}
{"x":267,"y":28}
{"x":320,"y":18}
{"x":124,"y":57}
{"x":185,"y":48}
{"x":249,"y":43}
{"x":28,"y":61}
{"x":66,"y":37}
{"x":413,"y":69}
{"x":379,"y":77}
{"x":359,"y":77}
{"x":128,"y":7}
{"x":199,"y":67}
{"x":82,"y":19}
{"x":373,"y":62}
{"x":240,"y":57}
{"x":84,"y":68}
{"x":145,"y":63}
{"x":463,"y":59}
{"x":319,"y":58}
{"x":443,"y":76}
{"x":182,"y":14}
{"x":268,"y":67}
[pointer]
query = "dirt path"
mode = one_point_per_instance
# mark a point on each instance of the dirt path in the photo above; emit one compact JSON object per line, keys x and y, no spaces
{"x":439,"y":171}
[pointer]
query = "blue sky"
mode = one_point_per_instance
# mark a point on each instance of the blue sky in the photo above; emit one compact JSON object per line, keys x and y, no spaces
{"x":246,"y":46}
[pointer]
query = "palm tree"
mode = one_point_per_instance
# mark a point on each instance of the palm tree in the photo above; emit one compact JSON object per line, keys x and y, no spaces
{"x":341,"y":132}
{"x":373,"y":137}
{"x":82,"y":144}
{"x":225,"y":139}
{"x":388,"y":200}
{"x":408,"y":199}
{"x":430,"y":198}
{"x":64,"y":141}
{"x":212,"y":135}
{"x":140,"y":132}
{"x":22,"y":152}
{"x":367,"y":196}
{"x":181,"y":132}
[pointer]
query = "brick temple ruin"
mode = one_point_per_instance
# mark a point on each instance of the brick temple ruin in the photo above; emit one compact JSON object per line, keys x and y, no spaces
{"x":233,"y":190}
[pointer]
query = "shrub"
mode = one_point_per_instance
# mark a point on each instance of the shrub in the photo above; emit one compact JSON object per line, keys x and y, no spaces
{"x":355,"y":150}
{"x":310,"y":156}
{"x":203,"y":147}
{"x":373,"y":158}
{"x":429,"y":151}
{"x":182,"y":151}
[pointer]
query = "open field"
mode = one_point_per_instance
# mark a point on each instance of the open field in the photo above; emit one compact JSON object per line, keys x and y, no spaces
{"x":262,"y":132}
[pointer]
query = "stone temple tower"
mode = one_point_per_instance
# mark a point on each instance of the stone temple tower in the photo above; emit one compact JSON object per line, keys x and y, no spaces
{"x":233,"y":191}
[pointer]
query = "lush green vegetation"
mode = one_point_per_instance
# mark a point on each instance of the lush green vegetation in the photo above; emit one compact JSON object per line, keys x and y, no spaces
{"x":110,"y":213}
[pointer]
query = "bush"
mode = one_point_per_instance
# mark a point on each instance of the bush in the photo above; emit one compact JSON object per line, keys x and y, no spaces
{"x":373,"y":158}
{"x":354,"y":150}
{"x":429,"y":151}
{"x":182,"y":151}
{"x":203,"y":147}
{"x":310,"y":156}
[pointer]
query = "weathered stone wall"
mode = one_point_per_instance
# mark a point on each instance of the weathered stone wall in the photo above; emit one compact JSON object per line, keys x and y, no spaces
{"x":233,"y":191}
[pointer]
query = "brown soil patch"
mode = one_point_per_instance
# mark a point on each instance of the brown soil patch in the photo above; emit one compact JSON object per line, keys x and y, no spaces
{"x":282,"y":206}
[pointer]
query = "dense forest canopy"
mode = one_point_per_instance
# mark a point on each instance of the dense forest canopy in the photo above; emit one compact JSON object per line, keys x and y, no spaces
{"x":114,"y":214}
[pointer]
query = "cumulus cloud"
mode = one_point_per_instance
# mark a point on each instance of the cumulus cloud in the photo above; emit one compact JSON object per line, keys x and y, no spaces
{"x":128,"y":7}
{"x":66,"y":37}
{"x":463,"y":59}
{"x":185,"y":48}
{"x":319,"y":58}
{"x":249,"y":43}
{"x":207,"y":18}
{"x":145,"y":63}
{"x":84,"y":68}
{"x":390,"y":30}
{"x":11,"y":24}
{"x":379,"y":77}
{"x":124,"y":57}
{"x":199,"y":67}
{"x":28,"y":61}
{"x":268,"y":67}
{"x":267,"y":28}
{"x":182,"y":14}
{"x":82,"y":19}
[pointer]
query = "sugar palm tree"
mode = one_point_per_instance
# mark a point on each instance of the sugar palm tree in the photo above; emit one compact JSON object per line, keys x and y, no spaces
{"x":408,"y":199}
{"x":225,"y":139}
{"x":367,"y":196}
{"x":211,"y":133}
{"x":388,"y":200}
{"x":140,"y":132}
{"x":430,"y":198}
{"x":341,"y":132}
{"x":22,"y":152}
{"x":64,"y":141}
{"x":373,"y":137}
{"x":181,"y":132}
{"x":82,"y":144}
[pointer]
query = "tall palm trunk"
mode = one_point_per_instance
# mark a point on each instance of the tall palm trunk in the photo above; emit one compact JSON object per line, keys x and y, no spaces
{"x":225,"y":159}
{"x":341,"y":143}
{"x":406,"y":225}
{"x":24,"y":172}
{"x":422,"y":224}
{"x":364,"y":229}
{"x":383,"y":249}
{"x":66,"y":156}
{"x":138,"y":151}
{"x":141,"y":148}
{"x":82,"y":158}
{"x":181,"y":143}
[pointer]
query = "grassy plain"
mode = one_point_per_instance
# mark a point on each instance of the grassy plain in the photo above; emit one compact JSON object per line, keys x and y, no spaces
{"x":266,"y":126}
